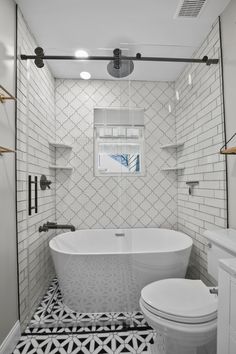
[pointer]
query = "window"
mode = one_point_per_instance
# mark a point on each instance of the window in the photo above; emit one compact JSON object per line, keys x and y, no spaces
{"x":118,"y":149}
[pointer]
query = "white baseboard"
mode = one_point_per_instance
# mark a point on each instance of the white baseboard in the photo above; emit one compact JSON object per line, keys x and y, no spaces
{"x":11,"y":339}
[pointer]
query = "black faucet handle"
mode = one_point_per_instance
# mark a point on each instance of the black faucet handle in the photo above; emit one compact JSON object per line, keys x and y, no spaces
{"x":48,"y":183}
{"x":51,"y":223}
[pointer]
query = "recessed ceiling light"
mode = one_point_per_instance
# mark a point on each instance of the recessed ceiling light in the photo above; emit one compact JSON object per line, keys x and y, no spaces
{"x":85,"y":75}
{"x":80,"y":53}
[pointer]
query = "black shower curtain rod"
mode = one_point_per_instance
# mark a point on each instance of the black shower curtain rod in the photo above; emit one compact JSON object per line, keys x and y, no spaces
{"x":138,"y":57}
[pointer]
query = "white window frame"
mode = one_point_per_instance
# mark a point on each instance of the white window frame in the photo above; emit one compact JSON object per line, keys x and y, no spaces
{"x":118,"y":139}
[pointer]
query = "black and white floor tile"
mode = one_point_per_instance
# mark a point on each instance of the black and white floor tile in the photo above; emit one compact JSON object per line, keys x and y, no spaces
{"x":56,"y":329}
{"x":53,"y":315}
{"x":99,"y":343}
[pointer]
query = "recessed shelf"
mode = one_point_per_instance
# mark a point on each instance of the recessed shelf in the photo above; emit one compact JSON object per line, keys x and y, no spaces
{"x":174,"y":146}
{"x":59,"y":167}
{"x":175,"y":168}
{"x":60,"y":145}
{"x":4,"y":150}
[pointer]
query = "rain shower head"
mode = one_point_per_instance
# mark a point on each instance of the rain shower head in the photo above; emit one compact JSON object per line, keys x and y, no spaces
{"x":120,"y":67}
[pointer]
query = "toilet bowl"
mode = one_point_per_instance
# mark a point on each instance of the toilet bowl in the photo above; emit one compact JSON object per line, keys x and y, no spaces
{"x":184,"y":314}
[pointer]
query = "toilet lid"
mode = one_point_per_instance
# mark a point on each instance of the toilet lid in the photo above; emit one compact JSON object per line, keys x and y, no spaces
{"x":181,"y":300}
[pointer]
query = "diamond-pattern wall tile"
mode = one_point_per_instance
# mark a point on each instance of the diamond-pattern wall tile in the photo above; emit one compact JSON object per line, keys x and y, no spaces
{"x":101,"y":202}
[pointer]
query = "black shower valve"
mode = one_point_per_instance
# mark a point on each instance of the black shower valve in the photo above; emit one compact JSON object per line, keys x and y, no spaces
{"x":44,"y":183}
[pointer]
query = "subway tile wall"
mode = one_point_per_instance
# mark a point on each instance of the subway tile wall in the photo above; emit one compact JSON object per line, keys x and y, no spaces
{"x":35,"y":127}
{"x":115,"y":202}
{"x":199,"y":123}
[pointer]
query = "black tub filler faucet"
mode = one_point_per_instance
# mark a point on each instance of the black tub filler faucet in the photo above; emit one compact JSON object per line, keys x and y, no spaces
{"x":55,"y":226}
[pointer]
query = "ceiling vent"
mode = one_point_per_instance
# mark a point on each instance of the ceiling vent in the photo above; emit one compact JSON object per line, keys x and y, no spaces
{"x":189,"y":8}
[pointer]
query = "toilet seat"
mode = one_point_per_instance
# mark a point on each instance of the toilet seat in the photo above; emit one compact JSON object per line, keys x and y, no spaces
{"x":180,"y":300}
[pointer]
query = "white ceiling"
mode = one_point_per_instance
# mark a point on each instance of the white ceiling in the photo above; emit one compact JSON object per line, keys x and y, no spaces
{"x":99,"y":26}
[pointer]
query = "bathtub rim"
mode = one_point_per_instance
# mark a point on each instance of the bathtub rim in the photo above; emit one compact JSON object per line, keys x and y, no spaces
{"x":181,"y":249}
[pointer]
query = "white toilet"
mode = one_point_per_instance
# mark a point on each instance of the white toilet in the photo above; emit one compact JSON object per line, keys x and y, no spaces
{"x":184,"y":312}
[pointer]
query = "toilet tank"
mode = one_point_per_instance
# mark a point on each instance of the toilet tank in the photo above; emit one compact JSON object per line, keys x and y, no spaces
{"x":221,"y":245}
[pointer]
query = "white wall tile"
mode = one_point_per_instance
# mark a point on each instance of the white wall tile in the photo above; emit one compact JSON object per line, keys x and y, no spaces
{"x":35,"y":127}
{"x":100,"y":202}
{"x":199,"y":122}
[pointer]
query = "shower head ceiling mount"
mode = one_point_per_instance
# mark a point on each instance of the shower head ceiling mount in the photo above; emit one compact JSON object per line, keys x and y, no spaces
{"x":120,"y":66}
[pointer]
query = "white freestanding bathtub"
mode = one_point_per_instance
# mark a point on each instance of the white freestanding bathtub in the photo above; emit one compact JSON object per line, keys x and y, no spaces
{"x":105,"y":270}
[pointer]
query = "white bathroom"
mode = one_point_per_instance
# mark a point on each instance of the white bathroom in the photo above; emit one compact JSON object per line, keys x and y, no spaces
{"x":117,"y":177}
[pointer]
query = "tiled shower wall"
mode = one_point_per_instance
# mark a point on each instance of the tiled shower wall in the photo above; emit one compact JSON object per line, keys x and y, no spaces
{"x":199,"y":124}
{"x":35,"y":127}
{"x":115,"y":202}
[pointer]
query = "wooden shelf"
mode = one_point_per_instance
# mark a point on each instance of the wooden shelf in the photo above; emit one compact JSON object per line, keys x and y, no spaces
{"x":229,"y":151}
{"x":4,"y":150}
{"x":5,"y":95}
{"x":58,"y":167}
{"x":175,"y":168}
{"x":172,"y":146}
{"x":60,"y":145}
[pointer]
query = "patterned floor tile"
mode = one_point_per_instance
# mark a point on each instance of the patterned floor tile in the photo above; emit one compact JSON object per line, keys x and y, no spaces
{"x":52,"y":315}
{"x":107,"y":343}
{"x":54,"y":329}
